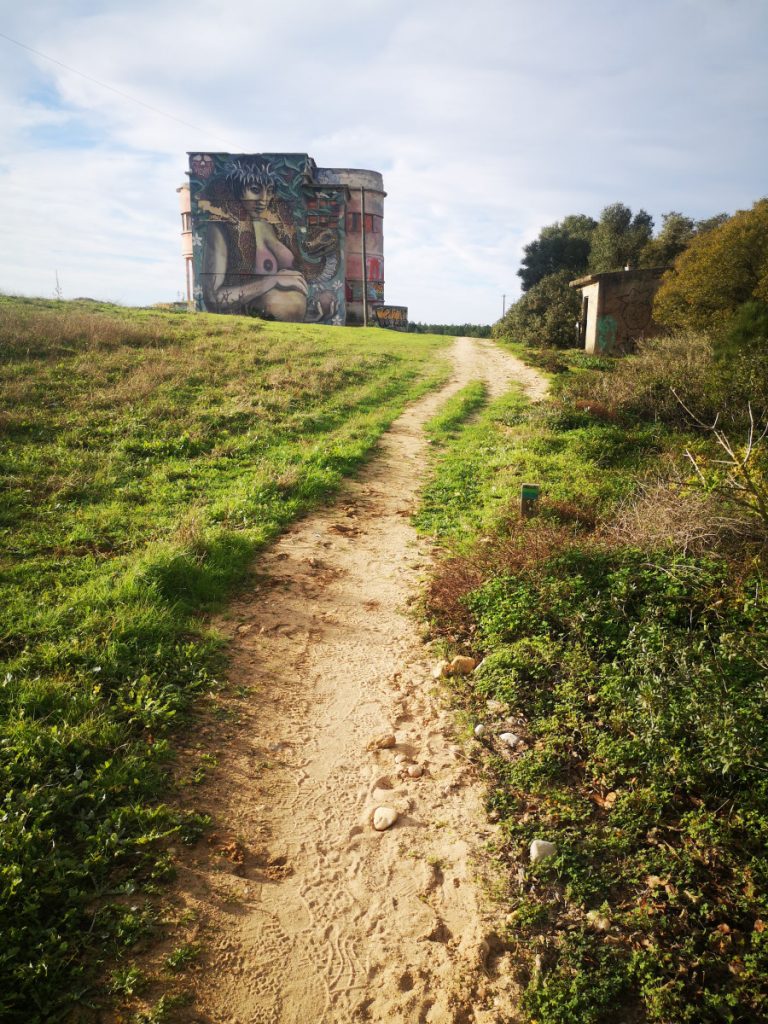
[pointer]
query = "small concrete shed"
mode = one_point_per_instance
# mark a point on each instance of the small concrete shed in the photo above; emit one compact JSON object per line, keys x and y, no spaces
{"x":617,"y":309}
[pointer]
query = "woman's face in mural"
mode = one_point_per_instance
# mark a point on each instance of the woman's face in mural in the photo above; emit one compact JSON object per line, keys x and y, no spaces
{"x":257,"y":199}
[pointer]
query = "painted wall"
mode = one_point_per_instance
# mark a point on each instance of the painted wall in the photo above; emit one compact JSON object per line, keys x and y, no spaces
{"x":395,"y":318}
{"x":619,"y":309}
{"x":268,"y":237}
{"x":372,"y":183}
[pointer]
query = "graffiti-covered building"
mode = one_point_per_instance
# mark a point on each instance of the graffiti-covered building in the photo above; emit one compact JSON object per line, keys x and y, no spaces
{"x":274,"y":235}
{"x":617,"y":309}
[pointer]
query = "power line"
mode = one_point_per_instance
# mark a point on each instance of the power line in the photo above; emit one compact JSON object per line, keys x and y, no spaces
{"x":111,"y":88}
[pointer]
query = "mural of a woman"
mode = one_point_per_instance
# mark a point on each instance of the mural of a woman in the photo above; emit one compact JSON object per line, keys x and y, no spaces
{"x":246,"y":267}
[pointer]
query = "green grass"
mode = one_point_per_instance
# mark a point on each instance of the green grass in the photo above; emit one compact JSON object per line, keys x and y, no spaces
{"x":477,"y":487}
{"x":145,"y":458}
{"x":454,"y":413}
{"x":640,"y":676}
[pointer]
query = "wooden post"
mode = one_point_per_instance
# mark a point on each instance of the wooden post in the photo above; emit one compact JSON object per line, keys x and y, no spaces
{"x":529,"y":497}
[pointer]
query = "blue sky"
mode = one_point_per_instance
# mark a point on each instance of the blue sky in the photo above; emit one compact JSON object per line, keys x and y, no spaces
{"x":488,"y":121}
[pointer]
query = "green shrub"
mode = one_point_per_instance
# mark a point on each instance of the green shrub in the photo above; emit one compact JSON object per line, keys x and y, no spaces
{"x":717,"y":273}
{"x":545,"y":316}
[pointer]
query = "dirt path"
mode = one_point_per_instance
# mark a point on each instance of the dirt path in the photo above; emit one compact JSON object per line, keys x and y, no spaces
{"x":306,"y":914}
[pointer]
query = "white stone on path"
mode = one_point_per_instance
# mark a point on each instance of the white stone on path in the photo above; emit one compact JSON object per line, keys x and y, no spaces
{"x":384,"y":818}
{"x":415,"y":771}
{"x":479,"y":730}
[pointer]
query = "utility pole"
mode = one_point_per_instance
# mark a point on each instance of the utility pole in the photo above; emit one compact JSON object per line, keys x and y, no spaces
{"x":365,"y":259}
{"x":503,"y":305}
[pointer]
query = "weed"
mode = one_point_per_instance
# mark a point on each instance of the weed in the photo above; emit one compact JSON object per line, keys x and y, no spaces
{"x":128,"y":981}
{"x":183,"y":956}
{"x":164,"y":1008}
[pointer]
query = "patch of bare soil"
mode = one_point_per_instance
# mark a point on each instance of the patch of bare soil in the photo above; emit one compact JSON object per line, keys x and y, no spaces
{"x":304,"y":912}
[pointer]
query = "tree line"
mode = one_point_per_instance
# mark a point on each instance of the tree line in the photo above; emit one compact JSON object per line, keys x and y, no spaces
{"x":454,"y":330}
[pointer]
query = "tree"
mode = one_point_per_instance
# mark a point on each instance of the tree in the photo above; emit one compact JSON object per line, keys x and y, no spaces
{"x":675,"y":235}
{"x":619,"y":238}
{"x":721,"y":270}
{"x":560,"y":246}
{"x":545,"y":316}
{"x":709,"y":223}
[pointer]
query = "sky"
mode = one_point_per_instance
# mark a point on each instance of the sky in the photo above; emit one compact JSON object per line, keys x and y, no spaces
{"x":488,"y":121}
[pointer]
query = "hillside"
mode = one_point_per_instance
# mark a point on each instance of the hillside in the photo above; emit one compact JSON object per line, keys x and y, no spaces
{"x":146,"y":456}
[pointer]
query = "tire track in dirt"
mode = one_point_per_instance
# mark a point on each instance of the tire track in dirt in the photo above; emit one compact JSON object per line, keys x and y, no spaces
{"x":305,"y":912}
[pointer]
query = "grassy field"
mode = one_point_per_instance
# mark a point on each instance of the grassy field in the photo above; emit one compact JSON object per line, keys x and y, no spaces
{"x":145,"y":458}
{"x":623,"y":632}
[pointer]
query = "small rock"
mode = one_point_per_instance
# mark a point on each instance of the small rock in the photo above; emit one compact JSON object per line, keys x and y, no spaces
{"x":384,"y":818}
{"x":510,"y":738}
{"x":383,"y":742}
{"x":440,"y":670}
{"x":401,"y":759}
{"x":540,"y":849}
{"x":479,"y":731}
{"x":415,"y":771}
{"x":461,"y":666}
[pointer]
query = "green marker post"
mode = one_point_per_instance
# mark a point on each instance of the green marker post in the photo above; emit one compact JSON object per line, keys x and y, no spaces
{"x":529,"y":496}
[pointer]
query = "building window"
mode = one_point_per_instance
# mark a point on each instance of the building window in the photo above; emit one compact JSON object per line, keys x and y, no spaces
{"x":374,"y":224}
{"x":186,"y":222}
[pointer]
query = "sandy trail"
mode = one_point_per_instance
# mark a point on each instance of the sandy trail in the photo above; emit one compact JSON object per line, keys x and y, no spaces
{"x":306,"y":914}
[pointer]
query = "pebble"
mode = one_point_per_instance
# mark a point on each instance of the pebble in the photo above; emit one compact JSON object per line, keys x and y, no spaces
{"x":541,"y":849}
{"x":461,"y":666}
{"x":510,"y":738}
{"x":479,"y":731}
{"x":401,"y":759}
{"x":440,"y":670}
{"x":415,"y":771}
{"x":383,"y":742}
{"x":384,"y":818}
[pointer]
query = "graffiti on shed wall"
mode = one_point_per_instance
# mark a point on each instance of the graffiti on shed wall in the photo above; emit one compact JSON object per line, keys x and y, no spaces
{"x":627,"y":312}
{"x":268,"y":241}
{"x":393,"y":317}
{"x":607,"y":330}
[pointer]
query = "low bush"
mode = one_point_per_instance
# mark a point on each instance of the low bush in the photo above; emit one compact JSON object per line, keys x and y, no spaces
{"x":545,"y":316}
{"x":640,"y":684}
